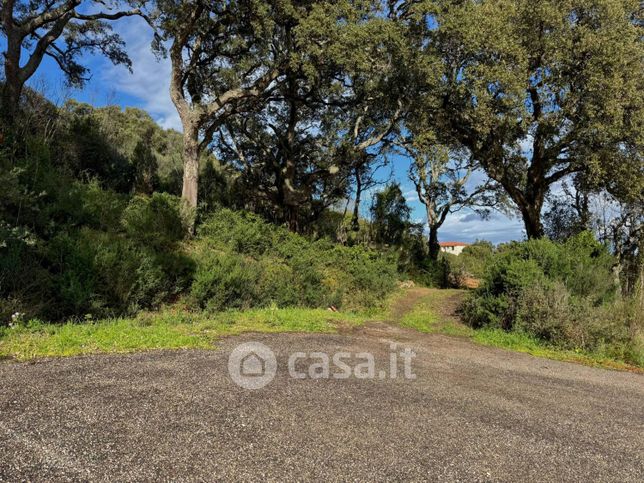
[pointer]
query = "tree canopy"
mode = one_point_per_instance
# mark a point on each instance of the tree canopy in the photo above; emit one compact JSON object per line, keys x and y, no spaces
{"x":538,"y":90}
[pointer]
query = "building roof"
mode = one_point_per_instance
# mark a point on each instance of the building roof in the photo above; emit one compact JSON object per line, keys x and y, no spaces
{"x":453,"y":244}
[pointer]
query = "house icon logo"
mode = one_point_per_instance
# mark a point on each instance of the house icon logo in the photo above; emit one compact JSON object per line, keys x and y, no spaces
{"x":252,"y":365}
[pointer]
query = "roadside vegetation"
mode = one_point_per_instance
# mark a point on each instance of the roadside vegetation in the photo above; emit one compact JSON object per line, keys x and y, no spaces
{"x":441,"y":312}
{"x":175,"y":328}
{"x":565,"y":294}
{"x":273,"y":209}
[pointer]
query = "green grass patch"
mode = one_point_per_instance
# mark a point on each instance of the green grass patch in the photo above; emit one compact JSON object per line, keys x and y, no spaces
{"x":175,"y":328}
{"x":169,"y":329}
{"x":425,"y":317}
{"x":421,"y":318}
{"x":522,"y":342}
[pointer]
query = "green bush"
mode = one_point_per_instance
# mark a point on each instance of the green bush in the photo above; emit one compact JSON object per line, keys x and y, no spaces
{"x":87,"y":204}
{"x":562,"y":293}
{"x":106,"y":274}
{"x":613,"y":329}
{"x":277,"y":284}
{"x":239,"y":231}
{"x":472,"y":262}
{"x":225,"y":280}
{"x":155,"y":220}
{"x":287,"y":269}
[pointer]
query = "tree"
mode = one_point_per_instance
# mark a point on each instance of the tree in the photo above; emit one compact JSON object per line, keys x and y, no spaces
{"x":540,"y":89}
{"x":285,"y":161}
{"x":324,"y":114}
{"x":222,"y":62}
{"x":440,"y":176}
{"x":390,"y":215}
{"x":379,"y":53}
{"x":62,"y":30}
{"x":627,"y":239}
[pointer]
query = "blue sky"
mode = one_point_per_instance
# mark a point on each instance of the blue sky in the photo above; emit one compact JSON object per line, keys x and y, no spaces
{"x":147,"y":88}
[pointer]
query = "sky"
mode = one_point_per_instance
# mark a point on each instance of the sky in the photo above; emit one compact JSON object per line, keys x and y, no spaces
{"x":147,"y":87}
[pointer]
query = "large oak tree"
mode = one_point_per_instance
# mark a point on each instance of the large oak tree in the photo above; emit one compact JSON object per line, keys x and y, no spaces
{"x":540,"y":89}
{"x":331,"y":109}
{"x":223,"y":61}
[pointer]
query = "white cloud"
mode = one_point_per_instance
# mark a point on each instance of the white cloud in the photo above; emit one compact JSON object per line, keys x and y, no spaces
{"x":411,"y":196}
{"x":467,"y":226}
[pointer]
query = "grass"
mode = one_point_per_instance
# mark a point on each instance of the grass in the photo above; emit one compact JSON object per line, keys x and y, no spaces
{"x":174,"y":328}
{"x":168,"y":329}
{"x":522,"y":342}
{"x":424,"y":317}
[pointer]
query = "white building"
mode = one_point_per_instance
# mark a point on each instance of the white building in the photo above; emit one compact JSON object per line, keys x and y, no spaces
{"x":455,"y":248}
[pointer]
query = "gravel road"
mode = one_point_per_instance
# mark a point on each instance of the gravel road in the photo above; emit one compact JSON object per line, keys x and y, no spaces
{"x":471,"y":414}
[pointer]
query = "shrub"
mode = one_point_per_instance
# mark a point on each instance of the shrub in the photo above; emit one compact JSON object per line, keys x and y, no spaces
{"x":88,"y":204}
{"x":239,"y":231}
{"x":561,"y":293}
{"x":106,"y":274}
{"x":471,"y":263}
{"x":154,"y":221}
{"x":288,"y":269}
{"x":225,"y":280}
{"x":277,"y":285}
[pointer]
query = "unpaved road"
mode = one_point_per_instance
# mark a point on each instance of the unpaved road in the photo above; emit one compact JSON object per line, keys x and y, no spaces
{"x":472,"y":413}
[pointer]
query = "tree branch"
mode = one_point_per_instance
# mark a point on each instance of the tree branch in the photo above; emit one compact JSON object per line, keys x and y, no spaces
{"x":31,"y":24}
{"x":41,"y":47}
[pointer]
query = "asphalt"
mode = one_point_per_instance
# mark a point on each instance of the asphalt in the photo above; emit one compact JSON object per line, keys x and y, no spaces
{"x":471,"y":414}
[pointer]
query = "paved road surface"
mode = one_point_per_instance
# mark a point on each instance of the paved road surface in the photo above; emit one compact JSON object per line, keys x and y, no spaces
{"x":472,"y":413}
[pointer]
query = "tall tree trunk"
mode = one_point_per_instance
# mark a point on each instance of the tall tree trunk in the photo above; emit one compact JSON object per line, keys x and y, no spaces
{"x":434,"y":246}
{"x":13,"y":85}
{"x":530,"y":203}
{"x":290,"y":197}
{"x":531,"y":213}
{"x":190,"y":188}
{"x":289,"y":172}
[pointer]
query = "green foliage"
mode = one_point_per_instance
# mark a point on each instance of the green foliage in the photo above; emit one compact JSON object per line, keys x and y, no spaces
{"x":565,"y":75}
{"x":70,"y":248}
{"x":245,"y":261}
{"x":101,"y":273}
{"x":154,"y":221}
{"x":145,"y":165}
{"x":125,"y":149}
{"x":390,"y":215}
{"x":470,"y":264}
{"x":224,"y":280}
{"x":561,"y":293}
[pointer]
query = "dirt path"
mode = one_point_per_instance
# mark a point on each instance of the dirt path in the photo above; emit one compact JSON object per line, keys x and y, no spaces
{"x":472,"y":413}
{"x":408,"y":301}
{"x":443,"y":303}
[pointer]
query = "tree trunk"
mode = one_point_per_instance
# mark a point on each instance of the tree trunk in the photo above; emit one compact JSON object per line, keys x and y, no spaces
{"x":434,"y":246}
{"x":190,"y":166}
{"x":12,"y":88}
{"x":531,"y":214}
